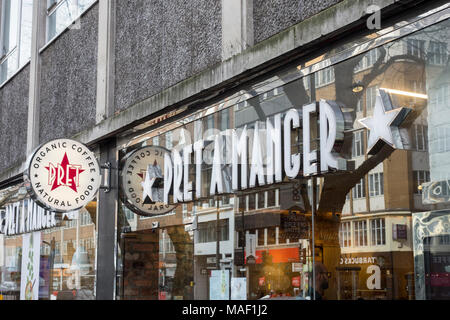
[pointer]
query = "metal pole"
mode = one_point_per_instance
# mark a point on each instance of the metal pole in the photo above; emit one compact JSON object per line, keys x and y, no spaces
{"x":217,"y":236}
{"x":313,"y":212}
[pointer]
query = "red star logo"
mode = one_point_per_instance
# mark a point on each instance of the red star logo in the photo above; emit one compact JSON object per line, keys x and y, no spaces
{"x":59,"y":174}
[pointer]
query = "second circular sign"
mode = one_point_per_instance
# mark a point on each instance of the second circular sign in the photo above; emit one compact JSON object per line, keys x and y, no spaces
{"x":142,"y":181}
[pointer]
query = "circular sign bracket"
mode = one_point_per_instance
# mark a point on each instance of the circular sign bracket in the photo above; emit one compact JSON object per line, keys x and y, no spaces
{"x":107,"y":167}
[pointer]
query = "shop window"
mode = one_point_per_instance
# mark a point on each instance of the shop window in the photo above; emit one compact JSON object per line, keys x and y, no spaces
{"x":271,"y":235}
{"x":261,"y":237}
{"x":360,"y":233}
{"x":169,"y":140}
{"x":261,"y":200}
{"x":376,"y":184}
{"x":358,"y":144}
{"x":324,"y":77}
{"x":345,"y":235}
{"x":437,"y":53}
{"x":15,"y":50}
{"x":240,"y":239}
{"x":156,"y":141}
{"x":378,"y":232}
{"x":368,"y":60}
{"x":62,"y":13}
{"x":281,"y":236}
{"x":359,"y":107}
{"x":251,"y":201}
{"x":359,"y":191}
{"x":442,"y":95}
{"x":305,"y":81}
{"x":416,"y":47}
{"x":208,"y":125}
{"x":242,"y":200}
{"x":207,"y":231}
{"x":85,"y":218}
{"x":420,"y":177}
{"x":226,"y":200}
{"x":70,"y":224}
{"x":165,"y":243}
{"x":224,"y":119}
{"x":371,"y":94}
{"x":271,"y":198}
{"x":130,"y":215}
{"x":420,"y":137}
{"x":442,"y":138}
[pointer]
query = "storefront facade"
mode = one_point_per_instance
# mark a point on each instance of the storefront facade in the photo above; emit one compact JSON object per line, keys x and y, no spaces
{"x":322,"y":177}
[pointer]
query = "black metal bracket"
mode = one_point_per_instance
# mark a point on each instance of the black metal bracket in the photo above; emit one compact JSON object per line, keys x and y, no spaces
{"x":106,"y":186}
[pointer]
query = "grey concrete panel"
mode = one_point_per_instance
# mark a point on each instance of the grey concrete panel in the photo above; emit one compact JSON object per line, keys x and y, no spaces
{"x":68,"y":81}
{"x":13,"y":119}
{"x":207,"y":31}
{"x":271,"y":17}
{"x":160,"y":43}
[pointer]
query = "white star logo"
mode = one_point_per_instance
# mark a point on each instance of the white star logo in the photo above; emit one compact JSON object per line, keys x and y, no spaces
{"x":152,"y":175}
{"x":383,"y":125}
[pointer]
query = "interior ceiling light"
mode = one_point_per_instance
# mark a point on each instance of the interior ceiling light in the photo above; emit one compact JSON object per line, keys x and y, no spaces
{"x":406,"y":93}
{"x":357,"y":87}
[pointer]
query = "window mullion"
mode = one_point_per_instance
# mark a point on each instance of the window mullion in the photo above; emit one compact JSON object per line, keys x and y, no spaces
{"x":19,"y":33}
{"x":2,"y":27}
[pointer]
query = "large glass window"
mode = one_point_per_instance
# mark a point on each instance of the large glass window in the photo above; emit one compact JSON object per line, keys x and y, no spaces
{"x":15,"y":36}
{"x":378,"y":231}
{"x":376,"y":184}
{"x":360,"y":233}
{"x":420,"y":177}
{"x":345,"y":234}
{"x":359,"y":191}
{"x":364,"y":221}
{"x":358,"y":144}
{"x":66,"y":254}
{"x":207,"y":231}
{"x":62,"y":13}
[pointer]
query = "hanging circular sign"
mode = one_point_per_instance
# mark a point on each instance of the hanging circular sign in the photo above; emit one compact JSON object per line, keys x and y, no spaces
{"x":62,"y":175}
{"x":142,"y":181}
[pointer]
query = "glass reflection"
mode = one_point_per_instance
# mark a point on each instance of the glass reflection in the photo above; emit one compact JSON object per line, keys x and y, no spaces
{"x":359,"y":243}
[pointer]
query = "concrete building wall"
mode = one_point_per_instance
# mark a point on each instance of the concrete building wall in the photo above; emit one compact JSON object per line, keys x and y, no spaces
{"x":159,"y":43}
{"x":271,"y":17}
{"x":13,"y":119}
{"x":68,"y":80}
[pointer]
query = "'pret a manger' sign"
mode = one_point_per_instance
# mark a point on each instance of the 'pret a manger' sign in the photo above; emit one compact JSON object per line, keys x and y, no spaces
{"x":267,"y":159}
{"x":62,"y":175}
{"x":26,"y":216}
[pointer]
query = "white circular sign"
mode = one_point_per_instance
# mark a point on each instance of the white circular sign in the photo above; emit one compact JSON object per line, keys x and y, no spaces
{"x":62,"y":175}
{"x":142,"y":181}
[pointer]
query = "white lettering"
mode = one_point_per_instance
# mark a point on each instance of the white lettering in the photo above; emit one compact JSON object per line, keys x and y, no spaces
{"x":327,"y":136}
{"x":187,"y":185}
{"x":309,"y":157}
{"x":257,"y":167}
{"x":274,"y":151}
{"x":374,"y":280}
{"x":216,"y":174}
{"x":168,"y":175}
{"x":291,"y":162}
{"x":198,"y":150}
{"x":177,"y":176}
{"x":239,"y":152}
